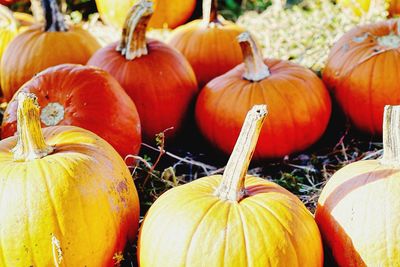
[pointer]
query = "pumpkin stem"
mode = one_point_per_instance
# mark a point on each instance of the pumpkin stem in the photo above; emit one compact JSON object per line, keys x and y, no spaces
{"x":232,"y":185}
{"x":31,"y":144}
{"x":255,"y":68}
{"x":391,"y":136}
{"x":210,"y":11}
{"x":54,"y":18}
{"x":133,"y":41}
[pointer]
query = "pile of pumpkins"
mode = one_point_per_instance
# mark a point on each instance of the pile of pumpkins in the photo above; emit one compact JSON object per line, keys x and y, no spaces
{"x":67,"y":197}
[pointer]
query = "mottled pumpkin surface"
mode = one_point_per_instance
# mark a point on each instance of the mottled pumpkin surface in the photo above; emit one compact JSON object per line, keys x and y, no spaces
{"x":82,"y":196}
{"x":270,"y":227}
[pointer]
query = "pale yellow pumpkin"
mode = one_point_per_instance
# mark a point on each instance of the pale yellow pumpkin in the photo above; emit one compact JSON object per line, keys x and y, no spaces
{"x":66,"y":196}
{"x":231,"y":219}
{"x":8,"y":28}
{"x":358,"y":211}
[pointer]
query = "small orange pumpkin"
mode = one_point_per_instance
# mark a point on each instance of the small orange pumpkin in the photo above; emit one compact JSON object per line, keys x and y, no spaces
{"x":358,"y":211}
{"x":232,"y":219}
{"x":67,"y":197}
{"x":298,"y":100}
{"x":157,"y":77}
{"x":209,"y":44}
{"x":362,"y":72}
{"x":43,"y":46}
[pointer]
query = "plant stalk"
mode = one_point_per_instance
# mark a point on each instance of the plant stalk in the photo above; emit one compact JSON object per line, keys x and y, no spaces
{"x":232,"y":187}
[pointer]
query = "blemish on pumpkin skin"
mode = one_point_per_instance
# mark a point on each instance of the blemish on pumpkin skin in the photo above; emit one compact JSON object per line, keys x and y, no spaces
{"x":122,"y":187}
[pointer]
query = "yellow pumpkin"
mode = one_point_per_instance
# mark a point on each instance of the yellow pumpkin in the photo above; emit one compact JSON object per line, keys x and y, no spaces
{"x":358,"y":211}
{"x":8,"y":28}
{"x":230,"y":220}
{"x":66,"y":196}
{"x":357,"y":6}
{"x":170,"y":13}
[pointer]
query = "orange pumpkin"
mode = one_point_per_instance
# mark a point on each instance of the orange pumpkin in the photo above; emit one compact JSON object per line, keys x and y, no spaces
{"x":362,"y":73}
{"x":67,"y":197}
{"x":209,"y":44}
{"x":157,"y":77}
{"x":168,"y":13}
{"x":358,"y":211}
{"x":85,"y":97}
{"x":394,"y":8}
{"x":42,"y":46}
{"x":230,"y":220}
{"x":299,"y":103}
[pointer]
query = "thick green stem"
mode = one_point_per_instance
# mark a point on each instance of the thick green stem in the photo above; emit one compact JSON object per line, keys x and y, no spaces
{"x":210,"y":11}
{"x":54,"y":18}
{"x":133,"y":42}
{"x":255,"y":68}
{"x":391,"y":136}
{"x":31,"y":144}
{"x":232,"y":186}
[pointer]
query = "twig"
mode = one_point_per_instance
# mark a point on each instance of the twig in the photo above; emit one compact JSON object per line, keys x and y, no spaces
{"x":206,"y":168}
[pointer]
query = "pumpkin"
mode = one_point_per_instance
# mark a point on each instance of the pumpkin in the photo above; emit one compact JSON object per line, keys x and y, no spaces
{"x":10,"y":25}
{"x":209,"y":44}
{"x":358,"y":211}
{"x":157,"y":77}
{"x":8,"y":28}
{"x":7,"y":2}
{"x":43,"y":46}
{"x":359,"y":7}
{"x":168,"y":13}
{"x":86,"y":97}
{"x":230,"y":220}
{"x":394,"y":8}
{"x":298,"y":100}
{"x":362,"y":73}
{"x":67,"y":197}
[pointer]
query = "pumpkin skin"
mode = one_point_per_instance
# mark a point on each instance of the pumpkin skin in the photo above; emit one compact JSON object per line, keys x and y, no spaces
{"x":35,"y":50}
{"x":357,"y":6}
{"x":170,"y":13}
{"x":8,"y":29}
{"x":209,"y":45}
{"x":394,"y":8}
{"x":298,"y":101}
{"x":86,"y":97}
{"x":7,"y":2}
{"x":358,"y":211}
{"x":362,"y":53}
{"x":160,"y":82}
{"x":81,"y":195}
{"x":268,"y":226}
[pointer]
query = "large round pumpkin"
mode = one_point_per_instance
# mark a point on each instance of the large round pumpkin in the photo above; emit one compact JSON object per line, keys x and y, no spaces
{"x":42,"y":46}
{"x":209,"y":44}
{"x":168,"y":13}
{"x":362,"y":72}
{"x":157,"y":77}
{"x":67,"y":197}
{"x":230,"y":219}
{"x":299,"y":103}
{"x":86,"y":97}
{"x":358,"y":211}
